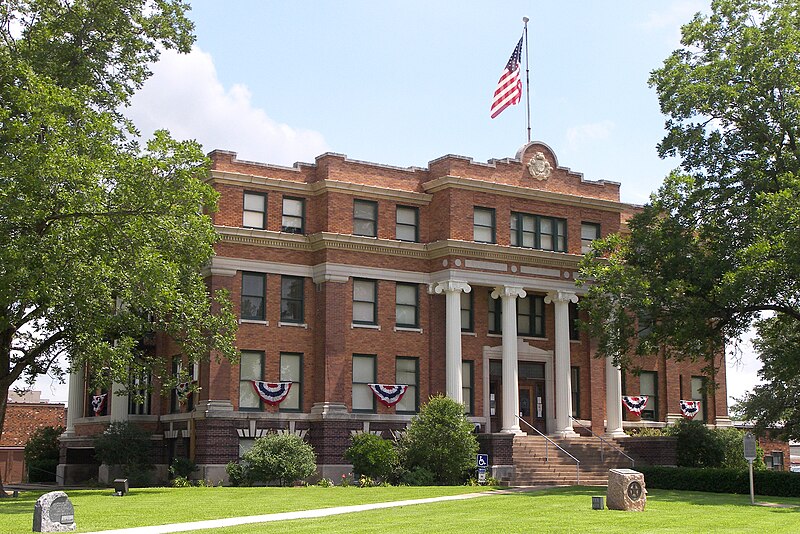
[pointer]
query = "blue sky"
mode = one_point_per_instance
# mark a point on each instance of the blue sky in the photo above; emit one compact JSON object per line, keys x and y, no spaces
{"x":403,"y":83}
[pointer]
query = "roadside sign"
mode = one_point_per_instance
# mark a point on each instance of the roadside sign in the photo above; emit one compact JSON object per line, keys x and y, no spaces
{"x":483,"y":460}
{"x":749,"y":447}
{"x":481,"y":475}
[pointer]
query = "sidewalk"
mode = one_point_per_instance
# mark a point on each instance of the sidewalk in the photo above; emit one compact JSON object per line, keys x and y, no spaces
{"x":284,"y":516}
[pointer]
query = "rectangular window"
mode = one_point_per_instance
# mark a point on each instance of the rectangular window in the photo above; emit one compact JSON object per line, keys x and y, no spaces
{"x":575,"y":387}
{"x":574,"y":333}
{"x":253,"y":296}
{"x":407,"y":224}
{"x":251,"y":367}
{"x":648,"y":385}
{"x":292,"y":371}
{"x":483,"y":229}
{"x":365,"y":218}
{"x":466,"y":312}
{"x":407,"y":372}
{"x":255,"y":210}
{"x":467,"y":378}
{"x":294,"y":214}
{"x":365,"y":301}
{"x":364,"y":373}
{"x":535,"y":231}
{"x":406,"y":308}
{"x":495,"y":315}
{"x":530,"y":316}
{"x":699,"y":394}
{"x":292,"y":299}
{"x":139,"y":395}
{"x":589,"y":232}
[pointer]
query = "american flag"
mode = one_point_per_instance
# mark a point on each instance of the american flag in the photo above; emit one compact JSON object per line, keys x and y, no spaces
{"x":509,"y":88}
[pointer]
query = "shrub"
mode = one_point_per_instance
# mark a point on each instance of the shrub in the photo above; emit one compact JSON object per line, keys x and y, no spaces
{"x":418,"y":476}
{"x":441,"y":440}
{"x":236,"y":474}
{"x":765,"y":482}
{"x":281,"y":458}
{"x":126,"y":445}
{"x":182,"y":467}
{"x":732,"y":440}
{"x":697,"y":445}
{"x":41,"y":454}
{"x":372,"y":456}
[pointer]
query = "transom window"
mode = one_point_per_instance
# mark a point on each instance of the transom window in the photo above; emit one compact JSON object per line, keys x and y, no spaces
{"x":292,"y":299}
{"x":293,"y":218}
{"x":407,"y":224}
{"x":483,"y":229}
{"x":364,"y":373}
{"x":365,"y":301}
{"x":255,"y":210}
{"x":589,"y":232}
{"x":406,"y":308}
{"x":536,"y":231}
{"x":365,"y":218}
{"x":253,"y":296}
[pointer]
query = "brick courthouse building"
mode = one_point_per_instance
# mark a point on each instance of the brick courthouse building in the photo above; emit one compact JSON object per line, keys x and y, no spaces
{"x":458,"y":278}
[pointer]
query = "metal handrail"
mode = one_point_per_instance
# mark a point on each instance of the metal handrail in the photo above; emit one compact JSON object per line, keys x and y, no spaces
{"x":559,"y":447}
{"x":604,"y":441}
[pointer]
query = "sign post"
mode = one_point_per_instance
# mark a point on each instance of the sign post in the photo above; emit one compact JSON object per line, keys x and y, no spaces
{"x":750,"y":455}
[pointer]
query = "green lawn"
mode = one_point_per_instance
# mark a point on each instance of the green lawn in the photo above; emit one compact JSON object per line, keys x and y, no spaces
{"x":556,"y":510}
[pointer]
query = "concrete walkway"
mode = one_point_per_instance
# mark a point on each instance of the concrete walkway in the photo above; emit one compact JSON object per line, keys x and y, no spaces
{"x":285,"y":516}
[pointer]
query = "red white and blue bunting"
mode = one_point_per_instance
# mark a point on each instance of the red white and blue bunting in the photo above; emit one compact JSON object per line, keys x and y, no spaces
{"x":98,"y":403}
{"x":690,"y":408}
{"x":273,"y":393}
{"x":184,"y":389}
{"x":388,"y":394}
{"x":634,"y":404}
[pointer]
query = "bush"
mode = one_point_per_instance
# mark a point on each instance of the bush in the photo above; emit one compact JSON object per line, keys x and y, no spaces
{"x":281,"y":458}
{"x":773,"y":483}
{"x":732,"y":440}
{"x":697,"y":445}
{"x":182,"y":468}
{"x":372,"y":456}
{"x":441,"y":440}
{"x":418,"y":476}
{"x":126,"y":445}
{"x":41,"y":454}
{"x":236,"y":474}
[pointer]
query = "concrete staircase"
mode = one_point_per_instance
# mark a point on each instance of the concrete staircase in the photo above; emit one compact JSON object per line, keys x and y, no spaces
{"x":539,"y":463}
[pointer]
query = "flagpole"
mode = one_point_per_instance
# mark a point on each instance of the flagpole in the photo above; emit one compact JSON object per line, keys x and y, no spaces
{"x":527,"y":77}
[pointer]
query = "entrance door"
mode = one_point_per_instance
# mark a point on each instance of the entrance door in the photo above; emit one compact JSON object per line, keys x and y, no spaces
{"x":531,"y":406}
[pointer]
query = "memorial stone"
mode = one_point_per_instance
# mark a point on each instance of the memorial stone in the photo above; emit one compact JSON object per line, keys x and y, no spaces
{"x":53,"y":512}
{"x":626,"y":490}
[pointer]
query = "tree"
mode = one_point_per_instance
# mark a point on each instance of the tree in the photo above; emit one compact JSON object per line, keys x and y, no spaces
{"x":718,"y":244}
{"x":90,"y":217}
{"x":776,"y":403}
{"x":41,"y":453}
{"x":441,"y":440}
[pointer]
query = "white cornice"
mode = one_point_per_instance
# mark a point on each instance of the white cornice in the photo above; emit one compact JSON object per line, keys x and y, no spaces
{"x":321,"y":187}
{"x":516,"y":191}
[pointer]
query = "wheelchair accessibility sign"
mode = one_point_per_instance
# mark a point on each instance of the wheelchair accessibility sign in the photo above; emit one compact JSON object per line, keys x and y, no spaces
{"x":483,"y":460}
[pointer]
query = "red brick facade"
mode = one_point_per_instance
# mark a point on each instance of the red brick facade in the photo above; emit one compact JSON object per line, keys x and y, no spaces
{"x":22,"y":419}
{"x":329,"y":257}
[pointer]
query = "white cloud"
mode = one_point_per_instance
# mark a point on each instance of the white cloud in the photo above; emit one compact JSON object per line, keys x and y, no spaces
{"x":185,"y":96}
{"x":674,"y":14}
{"x":595,"y":131}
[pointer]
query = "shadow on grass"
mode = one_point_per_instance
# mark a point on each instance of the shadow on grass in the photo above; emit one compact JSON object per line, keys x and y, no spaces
{"x":26,"y":501}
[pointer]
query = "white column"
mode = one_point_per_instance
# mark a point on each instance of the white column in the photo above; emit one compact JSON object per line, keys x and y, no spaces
{"x":74,"y":398}
{"x":452,"y":290}
{"x":613,"y":401}
{"x":119,"y":403}
{"x":509,"y":295}
{"x":561,"y":300}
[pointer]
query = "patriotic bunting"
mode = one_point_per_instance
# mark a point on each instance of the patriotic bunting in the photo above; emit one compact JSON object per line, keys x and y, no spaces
{"x":635,"y":404}
{"x":184,"y":389}
{"x":388,"y":394}
{"x":98,"y":403}
{"x":273,"y":393}
{"x":690,"y":408}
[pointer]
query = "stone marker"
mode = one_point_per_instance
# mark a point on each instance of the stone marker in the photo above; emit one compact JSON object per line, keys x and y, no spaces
{"x":53,"y":512}
{"x":626,"y":490}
